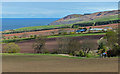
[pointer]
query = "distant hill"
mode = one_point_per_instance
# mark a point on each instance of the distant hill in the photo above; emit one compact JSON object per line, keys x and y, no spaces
{"x":77,"y":18}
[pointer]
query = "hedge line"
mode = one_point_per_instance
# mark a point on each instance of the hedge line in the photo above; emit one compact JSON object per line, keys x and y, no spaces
{"x":32,"y":30}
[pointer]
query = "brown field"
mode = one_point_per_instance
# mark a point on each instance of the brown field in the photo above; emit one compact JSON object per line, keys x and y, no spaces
{"x":45,"y":63}
{"x":51,"y":43}
{"x":108,"y":25}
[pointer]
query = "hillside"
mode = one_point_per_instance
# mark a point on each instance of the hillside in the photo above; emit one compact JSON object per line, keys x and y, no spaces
{"x":75,"y":18}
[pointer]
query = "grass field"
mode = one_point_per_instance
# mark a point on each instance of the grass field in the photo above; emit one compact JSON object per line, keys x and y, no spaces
{"x":32,"y":54}
{"x":47,"y":63}
{"x":74,"y":35}
{"x":42,"y":27}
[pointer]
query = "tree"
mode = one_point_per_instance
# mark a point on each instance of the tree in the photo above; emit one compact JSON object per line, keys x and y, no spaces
{"x":102,"y":42}
{"x":11,"y":48}
{"x":112,"y":38}
{"x":67,"y":45}
{"x":35,"y":36}
{"x":87,"y":45}
{"x":85,"y":28}
{"x":31,"y":36}
{"x":53,"y":32}
{"x":113,"y":43}
{"x":39,"y":44}
{"x":14,"y":37}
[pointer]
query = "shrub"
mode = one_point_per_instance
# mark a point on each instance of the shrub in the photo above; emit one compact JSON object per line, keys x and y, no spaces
{"x":11,"y":48}
{"x":31,"y":36}
{"x":65,"y":33}
{"x":45,"y":51}
{"x":15,"y":37}
{"x":79,"y":53}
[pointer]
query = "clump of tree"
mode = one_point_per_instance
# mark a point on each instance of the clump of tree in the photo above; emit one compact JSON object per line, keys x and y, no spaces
{"x":102,"y":45}
{"x":11,"y":48}
{"x":14,"y":37}
{"x":39,"y":44}
{"x":86,"y":46}
{"x":53,"y":33}
{"x":68,"y":45}
{"x":110,"y":44}
{"x":31,"y":36}
{"x":94,"y":23}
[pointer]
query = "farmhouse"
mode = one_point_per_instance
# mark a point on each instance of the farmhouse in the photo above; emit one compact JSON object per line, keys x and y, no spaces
{"x":81,"y":30}
{"x":97,"y":29}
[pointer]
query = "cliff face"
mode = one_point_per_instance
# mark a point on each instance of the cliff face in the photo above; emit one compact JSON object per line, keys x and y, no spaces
{"x":74,"y":18}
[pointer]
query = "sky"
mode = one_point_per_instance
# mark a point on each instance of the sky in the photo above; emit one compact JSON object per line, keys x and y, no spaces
{"x":53,"y":9}
{"x":60,"y":0}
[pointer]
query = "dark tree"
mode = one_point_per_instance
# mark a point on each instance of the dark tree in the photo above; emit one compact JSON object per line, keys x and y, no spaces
{"x":87,"y":45}
{"x":68,"y":45}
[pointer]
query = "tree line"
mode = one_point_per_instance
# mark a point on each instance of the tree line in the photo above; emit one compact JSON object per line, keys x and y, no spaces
{"x":95,"y":23}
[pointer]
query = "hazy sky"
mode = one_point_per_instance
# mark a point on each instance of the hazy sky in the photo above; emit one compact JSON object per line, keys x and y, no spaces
{"x":53,"y":9}
{"x":60,"y":0}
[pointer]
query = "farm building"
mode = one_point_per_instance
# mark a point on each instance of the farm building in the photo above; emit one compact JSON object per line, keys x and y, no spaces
{"x":108,"y":28}
{"x":81,"y":30}
{"x":97,"y":29}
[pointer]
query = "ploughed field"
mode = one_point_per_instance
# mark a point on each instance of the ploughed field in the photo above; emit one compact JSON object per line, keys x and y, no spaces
{"x":46,"y":63}
{"x":52,"y":44}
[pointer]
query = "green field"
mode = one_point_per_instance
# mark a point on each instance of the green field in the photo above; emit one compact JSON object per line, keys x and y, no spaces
{"x":42,"y":27}
{"x":32,"y":54}
{"x":74,"y":35}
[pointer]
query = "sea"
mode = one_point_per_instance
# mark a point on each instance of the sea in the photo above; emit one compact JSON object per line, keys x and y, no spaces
{"x":15,"y":23}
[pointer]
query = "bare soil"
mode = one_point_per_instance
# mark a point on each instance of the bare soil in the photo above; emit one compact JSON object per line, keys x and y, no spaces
{"x":45,"y":63}
{"x":51,"y":43}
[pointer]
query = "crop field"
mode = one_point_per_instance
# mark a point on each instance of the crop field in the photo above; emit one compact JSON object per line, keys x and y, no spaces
{"x":51,"y":36}
{"x":47,"y":63}
{"x":51,"y":43}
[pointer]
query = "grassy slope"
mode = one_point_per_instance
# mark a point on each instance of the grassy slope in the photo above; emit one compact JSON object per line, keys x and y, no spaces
{"x":106,"y":18}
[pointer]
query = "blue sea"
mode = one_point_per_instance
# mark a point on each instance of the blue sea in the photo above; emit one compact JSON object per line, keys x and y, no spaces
{"x":14,"y":23}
